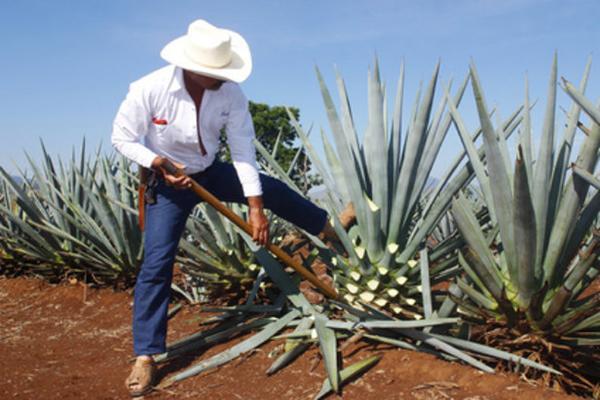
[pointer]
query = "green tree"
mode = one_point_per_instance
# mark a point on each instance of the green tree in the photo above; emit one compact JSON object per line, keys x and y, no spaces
{"x":269,"y":121}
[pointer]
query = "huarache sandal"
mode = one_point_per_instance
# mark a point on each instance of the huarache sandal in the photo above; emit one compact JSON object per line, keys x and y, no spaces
{"x":141,"y":378}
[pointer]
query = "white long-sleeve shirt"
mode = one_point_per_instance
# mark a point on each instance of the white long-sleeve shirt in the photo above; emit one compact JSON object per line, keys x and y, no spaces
{"x":159,"y":111}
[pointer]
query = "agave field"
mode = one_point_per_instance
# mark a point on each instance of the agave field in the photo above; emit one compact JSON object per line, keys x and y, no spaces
{"x":494,"y":263}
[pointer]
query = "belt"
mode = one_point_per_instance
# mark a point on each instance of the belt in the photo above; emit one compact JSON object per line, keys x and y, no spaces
{"x":147,"y":188}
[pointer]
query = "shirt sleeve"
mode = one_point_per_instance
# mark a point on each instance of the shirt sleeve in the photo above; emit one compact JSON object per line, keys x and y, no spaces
{"x":130,"y":126}
{"x":240,"y":135}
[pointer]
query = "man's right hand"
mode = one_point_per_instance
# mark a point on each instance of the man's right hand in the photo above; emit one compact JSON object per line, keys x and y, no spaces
{"x":179,"y":181}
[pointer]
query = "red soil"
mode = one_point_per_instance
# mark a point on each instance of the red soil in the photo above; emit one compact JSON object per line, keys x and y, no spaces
{"x":55,"y":345}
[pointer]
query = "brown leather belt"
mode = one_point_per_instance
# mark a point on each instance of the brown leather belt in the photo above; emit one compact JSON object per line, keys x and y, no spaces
{"x":143,"y":172}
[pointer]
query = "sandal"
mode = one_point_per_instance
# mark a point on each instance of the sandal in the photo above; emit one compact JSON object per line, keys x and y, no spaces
{"x":141,"y":378}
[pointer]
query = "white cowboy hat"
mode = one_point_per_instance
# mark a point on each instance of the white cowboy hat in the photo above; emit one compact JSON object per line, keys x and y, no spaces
{"x":210,"y":51}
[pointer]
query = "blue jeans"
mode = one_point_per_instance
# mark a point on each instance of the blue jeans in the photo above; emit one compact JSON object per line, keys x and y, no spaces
{"x":164,"y":225}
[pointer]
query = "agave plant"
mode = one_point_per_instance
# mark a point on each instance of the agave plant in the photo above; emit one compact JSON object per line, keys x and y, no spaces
{"x":73,"y":218}
{"x":214,"y":257}
{"x":386,"y":180}
{"x":530,"y":266}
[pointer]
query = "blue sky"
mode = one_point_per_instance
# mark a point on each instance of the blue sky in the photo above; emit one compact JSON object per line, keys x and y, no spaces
{"x":67,"y":64}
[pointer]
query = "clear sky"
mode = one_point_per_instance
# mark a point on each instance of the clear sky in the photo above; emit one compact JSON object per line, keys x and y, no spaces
{"x":66,"y":65}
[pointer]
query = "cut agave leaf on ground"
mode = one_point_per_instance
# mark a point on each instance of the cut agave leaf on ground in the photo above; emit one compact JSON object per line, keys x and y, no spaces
{"x":235,"y":351}
{"x":423,"y":337}
{"x":293,"y":347}
{"x":328,"y":347}
{"x":395,"y":342}
{"x":348,"y":373}
{"x":395,"y":324}
{"x":304,"y":324}
{"x":490,"y":351}
{"x":287,"y":357}
{"x":200,"y":341}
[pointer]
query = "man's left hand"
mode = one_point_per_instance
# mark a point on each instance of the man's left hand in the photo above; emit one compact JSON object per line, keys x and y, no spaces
{"x":258,"y":220}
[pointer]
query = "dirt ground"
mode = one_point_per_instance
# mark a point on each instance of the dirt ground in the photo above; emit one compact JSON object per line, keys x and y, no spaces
{"x":55,"y":345}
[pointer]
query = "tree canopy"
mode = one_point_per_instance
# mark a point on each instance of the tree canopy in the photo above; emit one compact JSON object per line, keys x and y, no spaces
{"x":269,"y":121}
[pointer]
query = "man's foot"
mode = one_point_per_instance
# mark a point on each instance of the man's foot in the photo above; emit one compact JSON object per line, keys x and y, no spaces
{"x":141,"y":378}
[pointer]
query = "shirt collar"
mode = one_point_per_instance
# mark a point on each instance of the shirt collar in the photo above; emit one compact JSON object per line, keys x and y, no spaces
{"x":177,"y":83}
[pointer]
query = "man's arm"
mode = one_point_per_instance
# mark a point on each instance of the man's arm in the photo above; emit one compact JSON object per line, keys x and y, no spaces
{"x":240,"y":135}
{"x":130,"y":126}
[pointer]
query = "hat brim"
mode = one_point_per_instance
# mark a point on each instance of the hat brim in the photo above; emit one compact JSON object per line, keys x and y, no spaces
{"x":237,"y":70}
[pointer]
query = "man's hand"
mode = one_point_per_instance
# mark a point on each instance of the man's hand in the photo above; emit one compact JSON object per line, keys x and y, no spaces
{"x":258,"y":220}
{"x":179,"y":181}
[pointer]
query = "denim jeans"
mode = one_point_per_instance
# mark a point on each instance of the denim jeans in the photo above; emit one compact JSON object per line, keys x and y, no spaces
{"x":164,"y":225}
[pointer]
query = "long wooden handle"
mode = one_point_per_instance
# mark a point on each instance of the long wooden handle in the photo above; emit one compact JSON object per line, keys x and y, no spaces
{"x":236,"y":219}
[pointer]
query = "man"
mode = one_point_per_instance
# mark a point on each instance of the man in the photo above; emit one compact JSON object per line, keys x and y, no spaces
{"x":179,"y":111}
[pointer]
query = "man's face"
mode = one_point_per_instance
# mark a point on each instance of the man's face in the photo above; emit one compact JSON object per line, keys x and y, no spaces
{"x":203,"y":81}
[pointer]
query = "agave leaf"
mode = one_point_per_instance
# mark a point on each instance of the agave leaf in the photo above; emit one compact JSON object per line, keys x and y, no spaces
{"x":573,"y":199}
{"x":282,"y":280}
{"x":289,"y":356}
{"x":235,"y":351}
{"x":471,"y":273}
{"x":395,"y":342}
{"x":591,"y":322}
{"x":348,"y":126}
{"x":411,"y":157}
{"x":375,"y":240}
{"x":447,"y":348}
{"x":525,"y":136}
{"x":499,"y":177}
{"x":424,"y":337}
{"x":561,"y":298}
{"x":374,"y":142}
{"x":585,"y":175}
{"x":562,"y":160}
{"x":256,"y":286}
{"x":281,"y":174}
{"x":481,"y":299}
{"x":312,"y":153}
{"x":337,"y":170}
{"x":529,"y":277}
{"x":328,"y":347}
{"x":490,"y":351}
{"x":390,"y":324}
{"x":469,"y":227}
{"x":228,"y":325}
{"x":22,"y":199}
{"x":427,"y":303}
{"x":471,"y":150}
{"x":348,"y":373}
{"x":42,"y":248}
{"x":396,"y":133}
{"x":587,"y":216}
{"x":543,"y":172}
{"x":582,"y":101}
{"x":351,"y":173}
{"x":217,"y":224}
{"x":304,"y":324}
{"x":448,"y":306}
